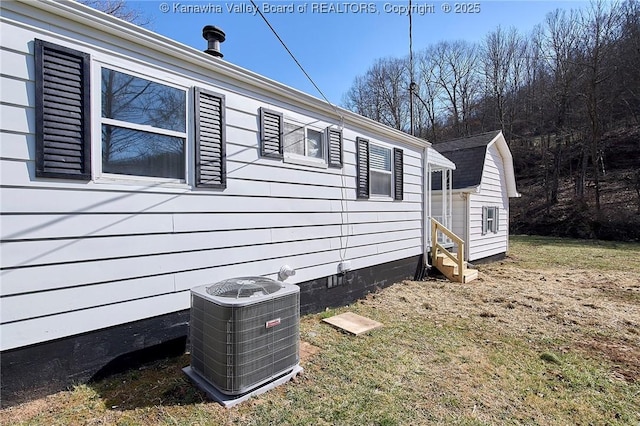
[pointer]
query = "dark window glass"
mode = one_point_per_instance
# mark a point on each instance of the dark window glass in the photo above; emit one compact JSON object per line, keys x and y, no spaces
{"x":136,"y":100}
{"x":380,"y":183}
{"x":134,"y":152}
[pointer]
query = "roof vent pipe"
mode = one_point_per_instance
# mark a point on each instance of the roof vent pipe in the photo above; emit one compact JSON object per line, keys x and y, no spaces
{"x":214,"y":37}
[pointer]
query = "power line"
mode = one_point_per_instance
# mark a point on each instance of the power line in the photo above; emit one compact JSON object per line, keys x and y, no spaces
{"x":293,"y":56}
{"x":343,"y":202}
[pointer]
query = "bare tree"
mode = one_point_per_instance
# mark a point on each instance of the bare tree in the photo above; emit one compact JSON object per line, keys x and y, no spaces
{"x":557,"y":90}
{"x":361,"y":99}
{"x":628,"y":62}
{"x":120,"y":9}
{"x":502,"y":56}
{"x":558,"y":43}
{"x":600,"y":26}
{"x":391,"y":78}
{"x":382,"y":94}
{"x":429,"y":93}
{"x":529,"y":98}
{"x":455,"y":72}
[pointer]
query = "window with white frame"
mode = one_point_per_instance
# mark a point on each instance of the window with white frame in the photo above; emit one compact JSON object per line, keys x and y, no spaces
{"x":378,"y":173}
{"x":490,"y":220}
{"x":298,"y":143}
{"x":380,"y":170}
{"x":303,"y":141}
{"x":143,"y":126}
{"x":142,"y":122}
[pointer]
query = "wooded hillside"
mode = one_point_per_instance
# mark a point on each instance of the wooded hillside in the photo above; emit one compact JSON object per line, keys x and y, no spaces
{"x":566,"y":96}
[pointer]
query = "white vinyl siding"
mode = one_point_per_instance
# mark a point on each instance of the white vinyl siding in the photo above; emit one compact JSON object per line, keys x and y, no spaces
{"x":493,"y":193}
{"x":80,"y":256}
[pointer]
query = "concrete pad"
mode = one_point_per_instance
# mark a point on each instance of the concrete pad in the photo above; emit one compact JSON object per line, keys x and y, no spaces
{"x":229,"y":401}
{"x":353,"y":323}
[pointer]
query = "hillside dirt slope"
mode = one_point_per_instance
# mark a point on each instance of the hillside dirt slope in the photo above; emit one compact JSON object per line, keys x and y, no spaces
{"x":619,"y":215}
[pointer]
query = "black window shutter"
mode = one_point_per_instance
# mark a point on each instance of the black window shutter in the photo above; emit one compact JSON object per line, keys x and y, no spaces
{"x":398,"y":174}
{"x":335,"y":148}
{"x":271,"y":134}
{"x":63,"y":112}
{"x":210,"y":140}
{"x":362,"y":168}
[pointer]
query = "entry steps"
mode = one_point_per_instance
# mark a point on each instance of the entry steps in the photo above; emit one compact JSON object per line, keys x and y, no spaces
{"x":449,"y":269}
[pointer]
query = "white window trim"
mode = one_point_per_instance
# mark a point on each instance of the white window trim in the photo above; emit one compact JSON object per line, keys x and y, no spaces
{"x":494,"y":228}
{"x":304,"y":160}
{"x":143,"y":128}
{"x":96,"y":130}
{"x":389,"y":172}
{"x":491,"y":219}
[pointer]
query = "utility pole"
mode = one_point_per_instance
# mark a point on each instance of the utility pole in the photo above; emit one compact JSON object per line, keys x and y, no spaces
{"x":412,"y":84}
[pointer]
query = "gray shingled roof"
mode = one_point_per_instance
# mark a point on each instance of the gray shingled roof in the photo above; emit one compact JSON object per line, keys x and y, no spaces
{"x":468,"y":155}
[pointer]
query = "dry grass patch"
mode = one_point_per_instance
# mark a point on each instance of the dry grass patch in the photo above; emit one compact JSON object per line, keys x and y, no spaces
{"x":533,"y":341}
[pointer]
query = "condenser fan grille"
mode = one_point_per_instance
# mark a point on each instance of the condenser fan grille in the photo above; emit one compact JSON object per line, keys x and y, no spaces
{"x":238,"y":288}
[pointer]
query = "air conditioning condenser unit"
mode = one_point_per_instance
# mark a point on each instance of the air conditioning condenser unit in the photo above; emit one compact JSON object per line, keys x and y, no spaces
{"x":244,"y":336}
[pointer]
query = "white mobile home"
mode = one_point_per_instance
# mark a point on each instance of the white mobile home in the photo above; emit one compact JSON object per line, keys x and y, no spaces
{"x":134,"y":168}
{"x":482,"y":184}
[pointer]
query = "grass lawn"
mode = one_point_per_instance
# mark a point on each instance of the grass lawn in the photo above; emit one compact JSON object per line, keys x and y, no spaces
{"x":550,"y":335}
